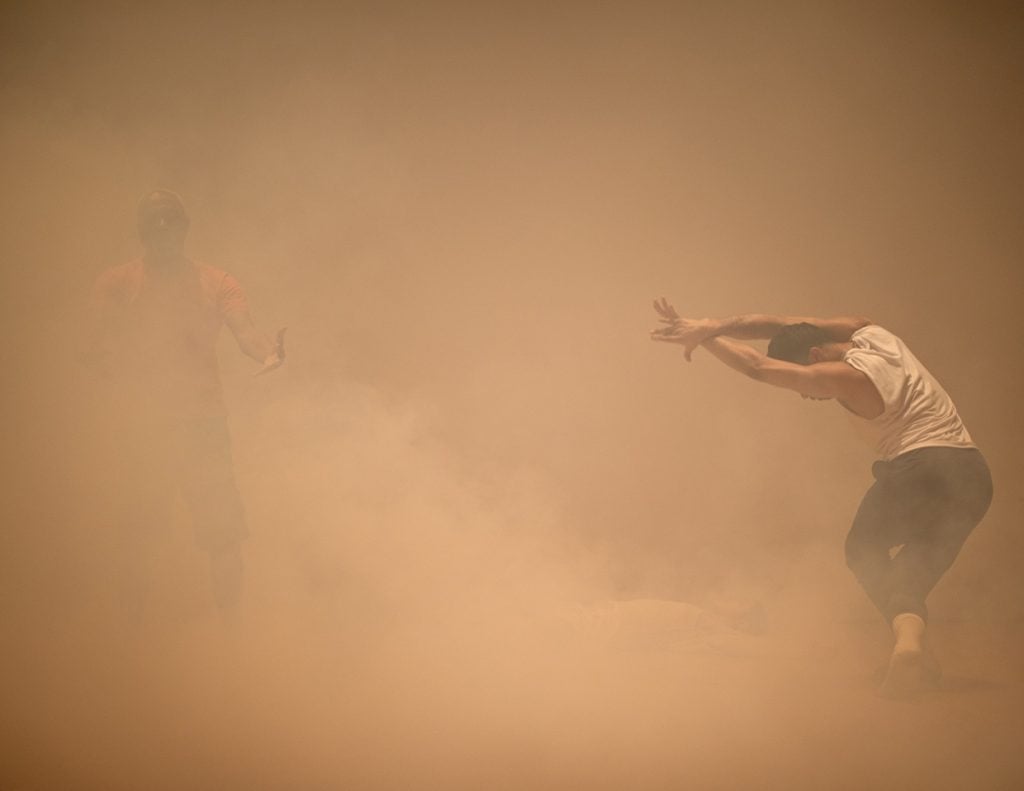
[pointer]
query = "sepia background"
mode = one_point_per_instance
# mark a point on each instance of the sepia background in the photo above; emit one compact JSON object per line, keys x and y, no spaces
{"x":498,"y":538}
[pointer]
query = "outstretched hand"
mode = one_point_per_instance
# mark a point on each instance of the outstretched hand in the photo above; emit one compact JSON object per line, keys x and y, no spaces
{"x":666,"y":313}
{"x":688,"y":333}
{"x":276,"y":357}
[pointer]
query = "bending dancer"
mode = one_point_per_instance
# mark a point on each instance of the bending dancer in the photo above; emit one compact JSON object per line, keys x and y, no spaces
{"x":932,"y":485}
{"x":154,"y":335}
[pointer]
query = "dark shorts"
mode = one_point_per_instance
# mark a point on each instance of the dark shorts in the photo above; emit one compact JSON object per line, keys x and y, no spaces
{"x":913,"y":522}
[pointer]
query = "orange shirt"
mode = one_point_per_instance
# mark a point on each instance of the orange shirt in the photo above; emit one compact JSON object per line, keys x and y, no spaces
{"x":158,"y":332}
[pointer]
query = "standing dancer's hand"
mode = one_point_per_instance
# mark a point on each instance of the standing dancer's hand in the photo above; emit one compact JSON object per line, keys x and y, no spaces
{"x":688,"y":333}
{"x":276,"y":358}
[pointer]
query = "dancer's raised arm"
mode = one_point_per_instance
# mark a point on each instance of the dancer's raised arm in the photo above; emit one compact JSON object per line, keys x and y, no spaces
{"x":690,"y":333}
{"x":828,"y":377}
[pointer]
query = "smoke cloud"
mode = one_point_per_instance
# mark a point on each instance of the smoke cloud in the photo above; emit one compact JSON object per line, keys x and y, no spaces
{"x":497,"y":537}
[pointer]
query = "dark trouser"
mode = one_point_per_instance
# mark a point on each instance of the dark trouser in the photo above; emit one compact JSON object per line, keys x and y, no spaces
{"x":191,"y":458}
{"x":925,"y":502}
{"x":162,"y":459}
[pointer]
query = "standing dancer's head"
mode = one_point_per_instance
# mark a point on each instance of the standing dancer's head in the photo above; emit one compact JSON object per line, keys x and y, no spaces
{"x":163,"y":225}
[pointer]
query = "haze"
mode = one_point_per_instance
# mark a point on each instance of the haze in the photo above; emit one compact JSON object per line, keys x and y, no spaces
{"x":498,"y":538}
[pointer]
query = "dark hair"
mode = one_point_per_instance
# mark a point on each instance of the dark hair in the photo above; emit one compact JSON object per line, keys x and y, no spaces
{"x":793,"y":342}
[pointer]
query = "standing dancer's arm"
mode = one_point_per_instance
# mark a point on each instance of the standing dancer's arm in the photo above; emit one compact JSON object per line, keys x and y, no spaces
{"x":256,"y":344}
{"x":253,"y":342}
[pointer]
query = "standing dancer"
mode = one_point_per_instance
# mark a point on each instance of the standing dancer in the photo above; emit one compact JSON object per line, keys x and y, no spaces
{"x":156,"y":322}
{"x":932,"y":485}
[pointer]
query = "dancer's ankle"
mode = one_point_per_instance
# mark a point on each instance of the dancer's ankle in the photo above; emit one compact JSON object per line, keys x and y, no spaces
{"x":908,"y":628}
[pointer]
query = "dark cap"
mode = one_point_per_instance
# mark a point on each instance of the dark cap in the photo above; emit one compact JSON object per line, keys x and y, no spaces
{"x":161,"y":209}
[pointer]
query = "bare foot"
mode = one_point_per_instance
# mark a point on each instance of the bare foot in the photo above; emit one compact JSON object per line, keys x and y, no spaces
{"x":906,"y":675}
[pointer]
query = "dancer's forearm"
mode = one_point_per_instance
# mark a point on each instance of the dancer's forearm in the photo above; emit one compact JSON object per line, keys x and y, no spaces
{"x":751,"y":326}
{"x":760,"y":326}
{"x":737,"y":356}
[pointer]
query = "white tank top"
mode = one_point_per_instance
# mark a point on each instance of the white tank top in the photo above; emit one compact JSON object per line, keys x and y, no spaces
{"x":918,"y":412}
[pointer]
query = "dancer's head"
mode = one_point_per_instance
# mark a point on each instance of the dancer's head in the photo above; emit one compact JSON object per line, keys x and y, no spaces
{"x":803,"y":344}
{"x":163,"y":224}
